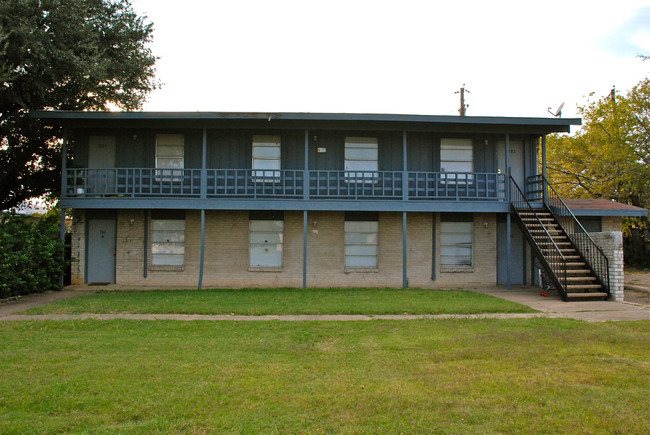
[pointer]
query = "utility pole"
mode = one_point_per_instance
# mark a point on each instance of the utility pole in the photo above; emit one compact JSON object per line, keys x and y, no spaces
{"x":463,"y":106}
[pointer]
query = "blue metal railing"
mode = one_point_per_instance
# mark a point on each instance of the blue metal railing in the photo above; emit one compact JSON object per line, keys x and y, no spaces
{"x":285,"y":183}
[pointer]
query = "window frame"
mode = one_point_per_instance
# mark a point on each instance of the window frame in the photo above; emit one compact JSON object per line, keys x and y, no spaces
{"x":164,"y":246}
{"x":254,"y":243}
{"x":169,"y":173}
{"x":460,"y":145}
{"x":453,"y":225}
{"x":266,"y":175}
{"x":353,"y":241}
{"x":359,"y":144}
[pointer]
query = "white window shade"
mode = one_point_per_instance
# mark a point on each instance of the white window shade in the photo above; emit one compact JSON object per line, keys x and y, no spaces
{"x":361,"y":244}
{"x":170,"y":151}
{"x":167,"y":242}
{"x":266,"y":243}
{"x":266,"y":157}
{"x":456,"y":244}
{"x":361,"y":159}
{"x":456,"y":155}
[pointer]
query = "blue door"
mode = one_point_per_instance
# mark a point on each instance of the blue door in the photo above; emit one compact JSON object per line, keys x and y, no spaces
{"x":100,"y":254}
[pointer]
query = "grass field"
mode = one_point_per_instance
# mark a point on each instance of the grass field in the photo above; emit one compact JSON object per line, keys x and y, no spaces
{"x":285,"y":301}
{"x":418,"y":376}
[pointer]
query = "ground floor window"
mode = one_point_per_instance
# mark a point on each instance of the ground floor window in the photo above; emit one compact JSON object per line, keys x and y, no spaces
{"x":361,"y":230}
{"x":456,"y":237}
{"x":168,"y":239}
{"x":266,"y":239}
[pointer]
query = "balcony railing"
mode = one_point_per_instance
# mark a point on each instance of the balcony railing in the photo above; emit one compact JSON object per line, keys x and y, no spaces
{"x":285,"y":184}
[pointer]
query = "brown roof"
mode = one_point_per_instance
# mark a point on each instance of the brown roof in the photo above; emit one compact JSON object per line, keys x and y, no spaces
{"x":603,"y":207}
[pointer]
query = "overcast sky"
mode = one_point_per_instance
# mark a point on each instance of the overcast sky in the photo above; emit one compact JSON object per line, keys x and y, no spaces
{"x":517,"y":58}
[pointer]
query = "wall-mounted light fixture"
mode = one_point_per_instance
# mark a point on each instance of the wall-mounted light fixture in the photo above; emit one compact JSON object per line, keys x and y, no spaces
{"x":132,"y":221}
{"x":485,"y":225}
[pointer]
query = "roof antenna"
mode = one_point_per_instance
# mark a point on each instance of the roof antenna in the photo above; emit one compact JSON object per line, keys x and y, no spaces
{"x":463,"y":106}
{"x":558,"y":112}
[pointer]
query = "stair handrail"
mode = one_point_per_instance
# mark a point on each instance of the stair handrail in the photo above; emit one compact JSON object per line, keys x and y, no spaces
{"x":553,"y":200}
{"x":563,"y":261}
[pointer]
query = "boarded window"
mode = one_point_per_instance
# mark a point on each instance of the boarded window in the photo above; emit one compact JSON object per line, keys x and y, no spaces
{"x":167,"y":242}
{"x":266,"y":157}
{"x":361,"y":159}
{"x":456,"y":155}
{"x":266,"y":241}
{"x":456,"y":244}
{"x":361,"y":244}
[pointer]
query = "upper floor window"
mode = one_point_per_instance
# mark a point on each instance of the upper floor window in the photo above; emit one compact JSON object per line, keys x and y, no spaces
{"x":456,"y":156}
{"x":266,"y":157}
{"x":361,"y":159}
{"x":170,"y":154}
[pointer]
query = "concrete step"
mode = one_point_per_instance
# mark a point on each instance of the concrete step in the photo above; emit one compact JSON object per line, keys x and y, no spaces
{"x":581,"y":278}
{"x":583,"y":286}
{"x":586,"y":295}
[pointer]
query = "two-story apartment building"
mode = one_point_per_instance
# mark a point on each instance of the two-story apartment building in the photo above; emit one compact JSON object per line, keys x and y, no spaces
{"x":318,"y":200}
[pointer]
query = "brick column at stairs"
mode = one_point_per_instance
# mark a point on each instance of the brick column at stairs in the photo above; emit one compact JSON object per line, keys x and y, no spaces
{"x":612,"y":245}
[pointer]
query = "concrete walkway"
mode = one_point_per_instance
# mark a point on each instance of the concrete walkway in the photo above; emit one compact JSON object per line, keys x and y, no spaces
{"x":552,"y":307}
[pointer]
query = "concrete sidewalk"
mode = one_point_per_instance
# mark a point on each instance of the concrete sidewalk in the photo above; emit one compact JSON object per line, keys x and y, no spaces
{"x":552,"y":306}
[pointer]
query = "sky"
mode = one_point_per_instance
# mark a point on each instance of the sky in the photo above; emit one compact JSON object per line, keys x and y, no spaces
{"x":516,"y":58}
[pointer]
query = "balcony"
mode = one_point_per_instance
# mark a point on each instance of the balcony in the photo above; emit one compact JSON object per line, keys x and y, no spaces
{"x":284,"y":184}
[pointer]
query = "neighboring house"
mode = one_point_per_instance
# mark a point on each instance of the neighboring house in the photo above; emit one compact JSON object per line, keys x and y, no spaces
{"x":321,"y":200}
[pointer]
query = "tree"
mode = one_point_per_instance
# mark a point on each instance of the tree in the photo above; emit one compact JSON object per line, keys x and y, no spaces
{"x":609,"y":157}
{"x":64,"y":55}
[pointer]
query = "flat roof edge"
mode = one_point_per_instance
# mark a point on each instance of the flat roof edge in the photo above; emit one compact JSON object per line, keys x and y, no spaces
{"x":302,"y":116}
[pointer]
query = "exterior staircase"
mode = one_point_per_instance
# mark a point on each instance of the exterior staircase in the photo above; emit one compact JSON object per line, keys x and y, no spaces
{"x":572,"y":261}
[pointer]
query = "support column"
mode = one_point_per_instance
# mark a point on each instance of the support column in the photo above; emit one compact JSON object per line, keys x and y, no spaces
{"x":405,"y":181}
{"x":433,"y":247}
{"x":204,"y":174}
{"x":544,"y":186}
{"x":145,"y":255}
{"x":62,"y":235}
{"x":202,"y":249}
{"x":304,"y":249}
{"x":64,"y":179}
{"x":508,"y":217}
{"x":305,"y":176}
{"x":404,"y":248}
{"x":204,"y":195}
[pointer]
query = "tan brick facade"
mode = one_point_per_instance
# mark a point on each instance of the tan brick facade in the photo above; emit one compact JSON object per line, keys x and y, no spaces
{"x":227,"y":252}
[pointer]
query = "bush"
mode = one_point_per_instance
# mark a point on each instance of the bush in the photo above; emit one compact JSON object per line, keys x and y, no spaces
{"x":31,"y":255}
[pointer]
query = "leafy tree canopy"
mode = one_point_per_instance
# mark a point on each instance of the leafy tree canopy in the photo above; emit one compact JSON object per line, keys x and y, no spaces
{"x":609,"y":157}
{"x":64,"y":55}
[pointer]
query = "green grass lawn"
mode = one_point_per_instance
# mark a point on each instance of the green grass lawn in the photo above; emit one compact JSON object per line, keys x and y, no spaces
{"x":421,"y":376}
{"x":285,"y":301}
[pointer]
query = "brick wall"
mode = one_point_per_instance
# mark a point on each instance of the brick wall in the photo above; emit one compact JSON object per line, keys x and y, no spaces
{"x":78,"y":247}
{"x":227,"y":252}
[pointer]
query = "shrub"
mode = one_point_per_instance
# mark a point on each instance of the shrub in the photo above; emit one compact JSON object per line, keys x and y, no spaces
{"x":31,"y":255}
